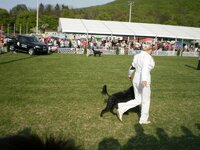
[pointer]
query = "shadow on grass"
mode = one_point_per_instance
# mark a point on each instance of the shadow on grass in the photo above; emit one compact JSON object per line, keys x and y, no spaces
{"x":15,"y":60}
{"x":109,"y":144}
{"x":25,"y":140}
{"x":191,"y":67}
{"x":144,"y":141}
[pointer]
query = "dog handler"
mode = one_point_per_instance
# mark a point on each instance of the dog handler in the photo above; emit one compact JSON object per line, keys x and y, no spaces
{"x":143,"y":63}
{"x":198,"y":66}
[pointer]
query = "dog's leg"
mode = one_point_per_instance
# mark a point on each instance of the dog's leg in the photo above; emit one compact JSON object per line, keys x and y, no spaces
{"x":112,"y":111}
{"x":112,"y":106}
{"x":102,"y":112}
{"x":106,"y":109}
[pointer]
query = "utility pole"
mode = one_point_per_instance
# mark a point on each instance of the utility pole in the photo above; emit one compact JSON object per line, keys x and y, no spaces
{"x":37,"y":18}
{"x":1,"y":31}
{"x":26,"y":27}
{"x":131,"y":3}
{"x":14,"y":30}
{"x":8,"y":30}
{"x":20,"y":29}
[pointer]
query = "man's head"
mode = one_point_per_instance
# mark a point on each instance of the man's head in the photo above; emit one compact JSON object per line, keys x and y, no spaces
{"x":148,"y":48}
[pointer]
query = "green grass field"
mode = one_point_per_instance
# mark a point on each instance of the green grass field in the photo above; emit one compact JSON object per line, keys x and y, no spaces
{"x":60,"y":95}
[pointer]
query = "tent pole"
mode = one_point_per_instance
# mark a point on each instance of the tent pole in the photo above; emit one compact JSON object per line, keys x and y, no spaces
{"x":134,"y":42}
{"x":87,"y":46}
{"x":174,"y":47}
{"x":156,"y":44}
{"x":182,"y":48}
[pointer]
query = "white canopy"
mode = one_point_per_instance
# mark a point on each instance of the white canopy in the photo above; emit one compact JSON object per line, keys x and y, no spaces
{"x":83,"y":26}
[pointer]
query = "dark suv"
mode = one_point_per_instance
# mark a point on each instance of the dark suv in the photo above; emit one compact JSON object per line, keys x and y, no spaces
{"x":26,"y":43}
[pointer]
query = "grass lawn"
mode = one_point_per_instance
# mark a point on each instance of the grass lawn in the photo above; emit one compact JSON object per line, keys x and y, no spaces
{"x":60,"y":95}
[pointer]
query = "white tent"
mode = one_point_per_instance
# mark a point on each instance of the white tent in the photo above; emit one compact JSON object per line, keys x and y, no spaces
{"x":84,"y":26}
{"x":72,"y":26}
{"x":92,"y":25}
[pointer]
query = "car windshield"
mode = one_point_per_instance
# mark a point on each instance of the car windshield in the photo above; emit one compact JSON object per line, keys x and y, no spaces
{"x":32,"y":39}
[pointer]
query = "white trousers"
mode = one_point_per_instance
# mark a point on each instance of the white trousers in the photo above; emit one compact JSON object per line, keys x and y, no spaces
{"x":142,"y":97}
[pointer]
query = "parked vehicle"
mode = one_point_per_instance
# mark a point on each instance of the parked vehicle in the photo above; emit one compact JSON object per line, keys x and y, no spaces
{"x":27,"y":43}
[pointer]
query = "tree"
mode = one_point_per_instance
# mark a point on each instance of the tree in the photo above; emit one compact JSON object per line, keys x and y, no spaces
{"x":48,"y":22}
{"x":48,"y":9}
{"x":57,"y":10}
{"x":92,"y":13}
{"x":103,"y":16}
{"x":64,"y":7}
{"x":44,"y":27}
{"x":17,"y":10}
{"x":41,"y":9}
{"x":27,"y":21}
{"x":4,"y":17}
{"x":68,"y":13}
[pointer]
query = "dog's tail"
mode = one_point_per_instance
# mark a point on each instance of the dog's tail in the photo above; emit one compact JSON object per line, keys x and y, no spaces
{"x":104,"y":90}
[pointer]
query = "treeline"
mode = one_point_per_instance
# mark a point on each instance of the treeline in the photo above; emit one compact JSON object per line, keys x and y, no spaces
{"x":173,"y":12}
{"x":22,"y":19}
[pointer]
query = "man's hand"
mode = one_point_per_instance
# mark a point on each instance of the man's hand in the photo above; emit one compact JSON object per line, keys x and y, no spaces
{"x":129,"y":78}
{"x":144,"y":83}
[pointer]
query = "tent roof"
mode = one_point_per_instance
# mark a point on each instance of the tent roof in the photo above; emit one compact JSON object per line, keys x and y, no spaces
{"x":84,"y":26}
{"x":72,"y":25}
{"x":95,"y":27}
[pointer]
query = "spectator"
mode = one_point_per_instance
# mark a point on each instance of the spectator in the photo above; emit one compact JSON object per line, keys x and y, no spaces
{"x":198,"y":66}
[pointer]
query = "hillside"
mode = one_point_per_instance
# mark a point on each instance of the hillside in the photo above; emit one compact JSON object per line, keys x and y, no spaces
{"x":174,"y":12}
{"x":171,"y":12}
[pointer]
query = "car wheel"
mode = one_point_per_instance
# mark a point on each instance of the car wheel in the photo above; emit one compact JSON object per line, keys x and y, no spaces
{"x":11,"y":48}
{"x":31,"y":51}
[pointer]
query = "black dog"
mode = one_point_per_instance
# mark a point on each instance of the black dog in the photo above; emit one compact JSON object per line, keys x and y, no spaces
{"x":96,"y":52}
{"x":118,"y":97}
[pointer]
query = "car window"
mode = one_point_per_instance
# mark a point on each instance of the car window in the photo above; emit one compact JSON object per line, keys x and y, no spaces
{"x":32,"y":39}
{"x":22,"y":40}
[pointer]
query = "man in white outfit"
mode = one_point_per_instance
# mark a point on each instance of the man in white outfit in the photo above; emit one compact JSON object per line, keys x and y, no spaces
{"x":143,"y":63}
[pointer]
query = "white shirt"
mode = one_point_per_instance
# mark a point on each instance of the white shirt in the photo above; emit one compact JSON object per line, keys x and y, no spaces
{"x":143,"y":63}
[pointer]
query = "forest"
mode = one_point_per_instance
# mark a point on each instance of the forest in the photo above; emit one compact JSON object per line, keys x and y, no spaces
{"x":171,"y":12}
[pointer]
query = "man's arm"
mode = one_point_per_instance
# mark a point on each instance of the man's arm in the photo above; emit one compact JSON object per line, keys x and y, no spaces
{"x":130,"y":72}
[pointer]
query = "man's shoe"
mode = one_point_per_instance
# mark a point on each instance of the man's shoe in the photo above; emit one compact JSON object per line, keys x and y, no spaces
{"x":144,"y":122}
{"x":119,"y":115}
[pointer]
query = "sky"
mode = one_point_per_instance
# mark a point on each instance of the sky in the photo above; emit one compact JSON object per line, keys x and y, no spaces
{"x":9,"y":4}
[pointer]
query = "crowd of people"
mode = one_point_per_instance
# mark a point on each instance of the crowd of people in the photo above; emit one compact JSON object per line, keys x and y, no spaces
{"x":111,"y":43}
